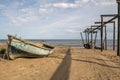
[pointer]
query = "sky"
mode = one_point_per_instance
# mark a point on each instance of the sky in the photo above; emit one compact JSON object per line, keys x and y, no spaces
{"x":51,"y":19}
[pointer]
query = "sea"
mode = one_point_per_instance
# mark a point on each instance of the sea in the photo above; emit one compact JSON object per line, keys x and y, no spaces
{"x":69,"y":42}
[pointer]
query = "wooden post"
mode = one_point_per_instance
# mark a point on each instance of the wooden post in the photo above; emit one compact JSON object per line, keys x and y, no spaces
{"x":101,"y":33}
{"x":91,"y":38}
{"x":118,"y":44}
{"x":86,"y":37}
{"x":7,"y":52}
{"x":105,"y":38}
{"x":114,"y":36}
{"x":95,"y":38}
{"x":82,"y":39}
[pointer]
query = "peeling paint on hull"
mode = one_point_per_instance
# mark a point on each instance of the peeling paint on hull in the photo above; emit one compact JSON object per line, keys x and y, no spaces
{"x":18,"y":48}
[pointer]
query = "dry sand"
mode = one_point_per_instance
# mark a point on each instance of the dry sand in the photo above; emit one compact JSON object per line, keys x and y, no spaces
{"x":66,"y":63}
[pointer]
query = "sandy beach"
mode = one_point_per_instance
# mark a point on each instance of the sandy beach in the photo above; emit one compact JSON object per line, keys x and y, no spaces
{"x":66,"y":63}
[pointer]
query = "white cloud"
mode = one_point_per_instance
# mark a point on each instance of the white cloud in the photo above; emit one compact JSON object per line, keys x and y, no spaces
{"x":24,"y":9}
{"x":104,"y":2}
{"x":59,"y":5}
{"x":43,"y":10}
{"x":18,"y":14}
{"x":21,"y":16}
{"x":78,"y":3}
{"x":96,"y":2}
{"x":107,"y":3}
{"x":71,"y":31}
{"x":81,"y":1}
{"x":74,"y":29}
{"x":65,"y":5}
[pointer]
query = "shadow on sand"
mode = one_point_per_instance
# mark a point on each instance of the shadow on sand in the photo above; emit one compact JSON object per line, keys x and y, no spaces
{"x":93,"y":62}
{"x":97,"y":63}
{"x":62,"y":72}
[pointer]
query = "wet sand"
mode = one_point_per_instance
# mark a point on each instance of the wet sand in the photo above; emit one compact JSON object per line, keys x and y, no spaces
{"x":66,"y":63}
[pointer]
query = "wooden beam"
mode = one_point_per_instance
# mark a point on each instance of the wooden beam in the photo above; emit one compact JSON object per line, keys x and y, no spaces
{"x":105,"y":38}
{"x":117,"y":1}
{"x":101,"y":33}
{"x":114,"y":36}
{"x":95,"y":39}
{"x":118,"y":44}
{"x":86,"y":37}
{"x":91,"y":38}
{"x":108,"y":15}
{"x":106,"y":22}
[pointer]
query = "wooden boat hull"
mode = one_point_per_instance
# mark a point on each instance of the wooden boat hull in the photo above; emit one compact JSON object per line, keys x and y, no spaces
{"x":18,"y":48}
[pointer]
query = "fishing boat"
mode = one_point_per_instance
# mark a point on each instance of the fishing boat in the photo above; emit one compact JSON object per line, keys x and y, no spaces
{"x":18,"y":47}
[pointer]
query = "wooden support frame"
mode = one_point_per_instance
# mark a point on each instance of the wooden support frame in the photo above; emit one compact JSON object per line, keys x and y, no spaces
{"x":114,"y":16}
{"x":91,"y":30}
{"x":92,"y":27}
{"x":102,"y":24}
{"x":106,"y":22}
{"x":113,"y":22}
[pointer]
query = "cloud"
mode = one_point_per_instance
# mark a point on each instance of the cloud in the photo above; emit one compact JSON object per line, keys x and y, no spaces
{"x":59,"y":5}
{"x":104,"y":2}
{"x":43,"y":10}
{"x":76,"y":28}
{"x":81,"y":1}
{"x":20,"y":12}
{"x":71,"y":31}
{"x":107,"y":3}
{"x":21,"y":16}
{"x":65,"y":5}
